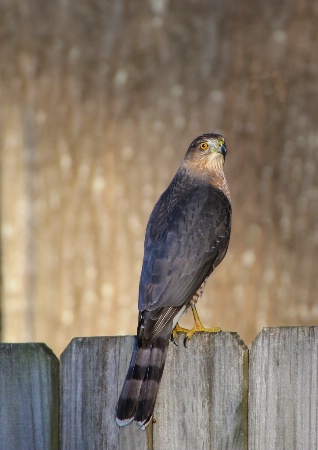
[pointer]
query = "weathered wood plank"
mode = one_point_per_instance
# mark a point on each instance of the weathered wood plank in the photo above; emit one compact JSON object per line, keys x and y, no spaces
{"x":29,"y":376}
{"x":92,"y":375}
{"x":283,"y":400}
{"x":202,"y":401}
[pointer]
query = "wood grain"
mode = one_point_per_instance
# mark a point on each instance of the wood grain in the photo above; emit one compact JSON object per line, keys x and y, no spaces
{"x":29,"y":376}
{"x":283,"y":389}
{"x":92,"y":375}
{"x":202,"y":401}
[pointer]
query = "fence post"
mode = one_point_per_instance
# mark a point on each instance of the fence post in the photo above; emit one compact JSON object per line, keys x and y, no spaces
{"x":283,"y":389}
{"x":28,"y":397}
{"x":91,"y":377}
{"x":202,"y":401}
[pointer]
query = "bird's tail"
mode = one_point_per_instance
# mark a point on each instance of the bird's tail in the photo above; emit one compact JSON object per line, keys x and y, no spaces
{"x":138,"y":396}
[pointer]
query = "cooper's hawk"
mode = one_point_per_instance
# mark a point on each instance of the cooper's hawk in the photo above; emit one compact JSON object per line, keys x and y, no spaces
{"x":187,"y":236}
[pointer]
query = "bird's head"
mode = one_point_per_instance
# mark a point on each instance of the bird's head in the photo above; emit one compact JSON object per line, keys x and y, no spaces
{"x":207,"y":151}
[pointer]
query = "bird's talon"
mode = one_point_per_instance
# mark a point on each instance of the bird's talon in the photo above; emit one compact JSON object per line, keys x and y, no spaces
{"x":173,"y":340}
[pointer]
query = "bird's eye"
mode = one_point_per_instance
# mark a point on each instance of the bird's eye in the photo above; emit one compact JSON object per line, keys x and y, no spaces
{"x":203,"y":146}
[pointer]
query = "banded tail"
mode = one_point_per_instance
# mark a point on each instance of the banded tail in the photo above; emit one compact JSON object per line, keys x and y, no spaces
{"x":139,"y":393}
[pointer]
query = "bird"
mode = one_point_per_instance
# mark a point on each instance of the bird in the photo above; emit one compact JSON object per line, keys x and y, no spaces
{"x":187,"y":236}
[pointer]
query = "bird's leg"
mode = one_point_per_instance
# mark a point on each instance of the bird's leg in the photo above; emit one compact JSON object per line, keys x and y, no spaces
{"x":197,"y":327}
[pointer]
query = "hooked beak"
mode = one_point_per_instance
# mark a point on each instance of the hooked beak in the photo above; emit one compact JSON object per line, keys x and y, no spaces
{"x":223,"y":150}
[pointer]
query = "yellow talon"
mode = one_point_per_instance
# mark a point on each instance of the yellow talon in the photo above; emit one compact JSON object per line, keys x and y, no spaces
{"x":197,"y":327}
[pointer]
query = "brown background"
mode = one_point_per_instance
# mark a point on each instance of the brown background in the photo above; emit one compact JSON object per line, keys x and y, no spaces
{"x":99,"y":102}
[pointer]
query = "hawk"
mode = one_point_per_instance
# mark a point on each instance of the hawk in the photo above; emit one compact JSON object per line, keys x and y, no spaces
{"x":187,"y":237}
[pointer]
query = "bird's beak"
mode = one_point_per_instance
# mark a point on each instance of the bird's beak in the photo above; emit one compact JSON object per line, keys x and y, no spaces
{"x":223,"y":150}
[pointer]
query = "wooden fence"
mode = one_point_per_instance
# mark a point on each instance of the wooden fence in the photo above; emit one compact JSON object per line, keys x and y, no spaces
{"x":215,"y":394}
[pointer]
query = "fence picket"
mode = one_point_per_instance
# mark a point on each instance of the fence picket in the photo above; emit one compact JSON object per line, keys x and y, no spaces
{"x":283,"y":388}
{"x":202,"y":402}
{"x":92,"y":374}
{"x":29,"y":375}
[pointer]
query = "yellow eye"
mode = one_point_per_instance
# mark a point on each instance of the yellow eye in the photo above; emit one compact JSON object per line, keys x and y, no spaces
{"x":203,"y":146}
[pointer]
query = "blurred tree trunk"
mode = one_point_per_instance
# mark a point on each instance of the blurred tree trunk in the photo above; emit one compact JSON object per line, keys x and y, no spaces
{"x":99,"y":102}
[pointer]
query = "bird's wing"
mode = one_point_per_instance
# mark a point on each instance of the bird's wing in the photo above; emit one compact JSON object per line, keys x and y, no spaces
{"x":187,"y":237}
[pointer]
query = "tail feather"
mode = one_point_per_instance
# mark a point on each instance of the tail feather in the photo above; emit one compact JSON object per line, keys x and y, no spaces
{"x":128,"y":400}
{"x":139,"y":393}
{"x":152,"y":380}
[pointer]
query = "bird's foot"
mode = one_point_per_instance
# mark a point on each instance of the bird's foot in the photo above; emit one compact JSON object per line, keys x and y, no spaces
{"x":197,"y":328}
{"x":177,"y":329}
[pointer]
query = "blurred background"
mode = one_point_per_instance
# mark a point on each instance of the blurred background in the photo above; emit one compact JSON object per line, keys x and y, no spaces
{"x":99,"y":101}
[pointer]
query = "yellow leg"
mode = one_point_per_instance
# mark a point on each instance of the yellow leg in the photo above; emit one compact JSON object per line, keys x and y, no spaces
{"x":197,"y":327}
